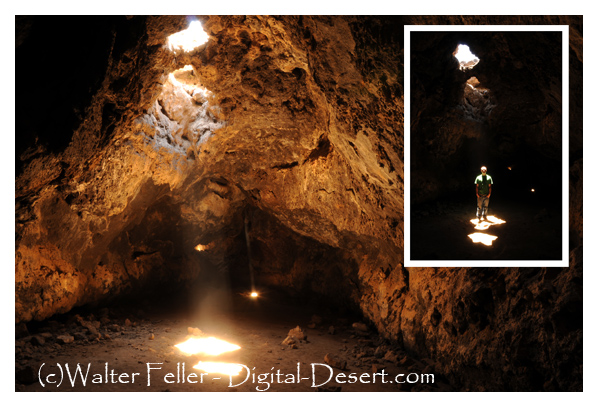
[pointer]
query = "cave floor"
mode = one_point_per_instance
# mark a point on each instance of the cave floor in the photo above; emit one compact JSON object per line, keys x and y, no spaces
{"x":259,"y":327}
{"x":440,"y":231}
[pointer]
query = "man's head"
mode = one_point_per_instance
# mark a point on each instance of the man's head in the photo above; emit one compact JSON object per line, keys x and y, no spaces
{"x":483,"y":170}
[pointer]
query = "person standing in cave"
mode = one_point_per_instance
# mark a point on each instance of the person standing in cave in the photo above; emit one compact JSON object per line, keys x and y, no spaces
{"x":483,"y":184}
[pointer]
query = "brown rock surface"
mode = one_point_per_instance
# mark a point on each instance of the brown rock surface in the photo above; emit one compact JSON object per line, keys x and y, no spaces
{"x":300,"y":138}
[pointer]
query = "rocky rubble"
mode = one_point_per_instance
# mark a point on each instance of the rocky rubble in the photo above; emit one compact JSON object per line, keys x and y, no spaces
{"x":54,"y":337}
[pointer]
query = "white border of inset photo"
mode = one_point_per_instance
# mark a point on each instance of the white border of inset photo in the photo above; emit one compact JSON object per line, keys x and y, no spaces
{"x":564,"y":261}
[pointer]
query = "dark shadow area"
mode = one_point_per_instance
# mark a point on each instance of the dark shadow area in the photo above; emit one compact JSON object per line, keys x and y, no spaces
{"x":532,"y":229}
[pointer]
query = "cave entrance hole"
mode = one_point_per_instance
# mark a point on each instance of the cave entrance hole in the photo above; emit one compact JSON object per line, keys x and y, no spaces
{"x":185,"y":114}
{"x":465,"y":57}
{"x":188,"y":39}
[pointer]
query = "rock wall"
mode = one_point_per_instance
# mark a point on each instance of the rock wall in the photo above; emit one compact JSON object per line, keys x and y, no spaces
{"x":301,"y":136}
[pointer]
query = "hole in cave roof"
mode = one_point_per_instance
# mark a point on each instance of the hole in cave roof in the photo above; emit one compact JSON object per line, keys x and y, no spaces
{"x":189,"y":39}
{"x":465,"y":57}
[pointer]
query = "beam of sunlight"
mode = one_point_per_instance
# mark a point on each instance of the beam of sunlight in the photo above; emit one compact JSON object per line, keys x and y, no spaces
{"x":483,"y":225}
{"x":189,"y":39}
{"x":209,"y":345}
{"x":211,"y":367}
{"x":484,"y":239}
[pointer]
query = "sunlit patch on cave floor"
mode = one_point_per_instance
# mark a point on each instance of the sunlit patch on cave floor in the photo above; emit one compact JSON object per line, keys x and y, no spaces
{"x":211,"y":346}
{"x":483,"y":225}
{"x":206,"y":345}
{"x":485,"y":239}
{"x":212,"y":367}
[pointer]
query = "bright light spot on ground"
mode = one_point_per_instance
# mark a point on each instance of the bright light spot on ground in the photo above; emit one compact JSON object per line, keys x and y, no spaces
{"x":210,"y":345}
{"x":200,"y":247}
{"x":485,"y":239}
{"x":254,"y":294}
{"x":188,"y":40}
{"x":532,"y":189}
{"x":220,"y":368}
{"x":483,"y":225}
{"x":465,"y":57}
{"x":509,"y":168}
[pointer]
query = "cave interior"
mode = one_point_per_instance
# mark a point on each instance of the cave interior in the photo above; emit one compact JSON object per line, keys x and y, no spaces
{"x":490,"y":112}
{"x":158,"y":186}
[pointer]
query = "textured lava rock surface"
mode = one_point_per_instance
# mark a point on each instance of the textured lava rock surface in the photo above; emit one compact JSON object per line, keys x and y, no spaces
{"x":299,"y":147}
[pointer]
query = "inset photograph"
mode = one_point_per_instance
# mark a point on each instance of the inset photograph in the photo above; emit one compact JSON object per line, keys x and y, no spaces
{"x":486,"y":146}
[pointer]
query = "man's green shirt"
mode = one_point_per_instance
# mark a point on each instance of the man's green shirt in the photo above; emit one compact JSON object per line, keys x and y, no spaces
{"x":483,"y":183}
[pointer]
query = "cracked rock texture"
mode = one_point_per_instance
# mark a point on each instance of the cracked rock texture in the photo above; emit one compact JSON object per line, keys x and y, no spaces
{"x":288,"y":130}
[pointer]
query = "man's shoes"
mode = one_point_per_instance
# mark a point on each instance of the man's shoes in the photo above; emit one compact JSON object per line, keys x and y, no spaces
{"x":485,"y":218}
